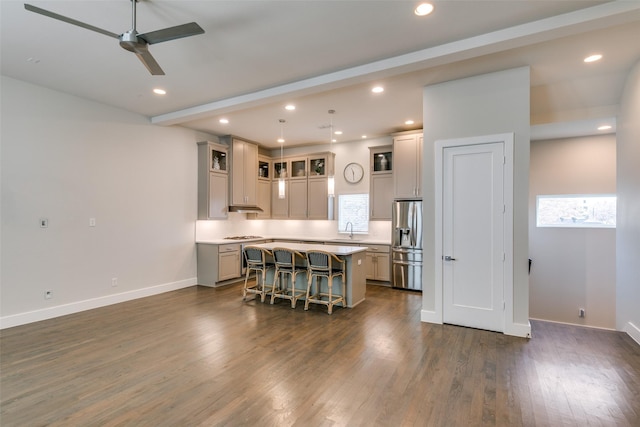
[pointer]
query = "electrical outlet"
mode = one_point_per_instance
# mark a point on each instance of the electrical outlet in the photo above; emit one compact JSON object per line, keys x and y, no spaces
{"x":581,"y":312}
{"x":114,"y":282}
{"x":48,"y":294}
{"x":92,"y":222}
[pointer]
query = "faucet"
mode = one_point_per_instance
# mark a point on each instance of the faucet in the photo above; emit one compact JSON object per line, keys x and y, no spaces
{"x":347,"y":226}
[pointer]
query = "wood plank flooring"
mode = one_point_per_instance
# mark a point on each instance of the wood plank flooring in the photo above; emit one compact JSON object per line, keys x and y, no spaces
{"x":203,"y":357}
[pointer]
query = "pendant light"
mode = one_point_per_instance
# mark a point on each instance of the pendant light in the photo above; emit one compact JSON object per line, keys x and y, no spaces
{"x":331,"y":182}
{"x":281,"y":182}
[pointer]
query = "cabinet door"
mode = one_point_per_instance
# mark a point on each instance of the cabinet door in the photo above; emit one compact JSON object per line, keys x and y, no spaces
{"x":381,"y":196}
{"x":279,"y":207}
{"x":217,"y":195}
{"x":407,"y":158}
{"x":383,"y":267}
{"x":244,"y":173}
{"x":264,"y":199}
{"x":318,"y":202}
{"x":371,"y":266}
{"x":298,"y":199}
{"x":228,"y":264}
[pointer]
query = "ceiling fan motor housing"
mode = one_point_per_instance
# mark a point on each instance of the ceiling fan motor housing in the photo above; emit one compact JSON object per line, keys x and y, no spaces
{"x":131,"y":42}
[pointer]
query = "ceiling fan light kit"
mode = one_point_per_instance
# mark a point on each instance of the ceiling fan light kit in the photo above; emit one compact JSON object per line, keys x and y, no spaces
{"x":131,"y":40}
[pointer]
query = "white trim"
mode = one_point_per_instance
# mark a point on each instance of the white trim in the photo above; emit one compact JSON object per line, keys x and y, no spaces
{"x":633,"y":331}
{"x":572,"y":324}
{"x":509,"y":327}
{"x":429,"y":316}
{"x":75,"y":307}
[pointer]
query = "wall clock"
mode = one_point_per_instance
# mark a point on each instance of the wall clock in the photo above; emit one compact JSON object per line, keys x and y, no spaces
{"x":353,"y":172}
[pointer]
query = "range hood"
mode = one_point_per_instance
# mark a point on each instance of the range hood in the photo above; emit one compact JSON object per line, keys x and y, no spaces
{"x":245,"y":209}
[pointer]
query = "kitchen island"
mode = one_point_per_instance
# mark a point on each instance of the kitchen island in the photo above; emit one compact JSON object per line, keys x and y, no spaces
{"x":354,"y":257}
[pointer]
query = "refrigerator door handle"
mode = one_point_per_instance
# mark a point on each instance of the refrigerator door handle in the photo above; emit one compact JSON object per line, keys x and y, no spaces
{"x":413,"y":225}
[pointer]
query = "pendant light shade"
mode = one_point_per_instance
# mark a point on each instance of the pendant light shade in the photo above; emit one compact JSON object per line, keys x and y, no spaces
{"x":281,"y":182}
{"x":331,"y":182}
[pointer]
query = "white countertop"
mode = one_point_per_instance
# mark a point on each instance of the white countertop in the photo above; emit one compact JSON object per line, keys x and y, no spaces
{"x":332,"y":240}
{"x":305,"y":247}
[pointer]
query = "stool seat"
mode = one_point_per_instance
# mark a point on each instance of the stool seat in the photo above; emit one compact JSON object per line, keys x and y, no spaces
{"x":285,"y":262}
{"x":324,"y":264}
{"x":256,"y":259}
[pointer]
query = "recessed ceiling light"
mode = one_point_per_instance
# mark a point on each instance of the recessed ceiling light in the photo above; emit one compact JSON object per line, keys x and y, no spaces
{"x":159,"y":91}
{"x":423,"y":9}
{"x":604,"y":127}
{"x":377,"y":89}
{"x":364,"y":136}
{"x":334,"y":140}
{"x":290,"y":107}
{"x":593,"y":58}
{"x":281,"y":140}
{"x":338,"y":132}
{"x":409,"y":122}
{"x":224,"y":121}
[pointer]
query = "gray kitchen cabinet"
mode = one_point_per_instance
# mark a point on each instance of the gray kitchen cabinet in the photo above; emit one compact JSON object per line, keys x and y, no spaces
{"x":298,"y":199}
{"x":317,"y":199}
{"x":381,"y":182}
{"x":218,"y":263}
{"x":264,"y":200}
{"x":378,"y":263}
{"x":244,"y":172}
{"x":212,"y":181}
{"x":407,"y":156}
{"x":279,"y":207}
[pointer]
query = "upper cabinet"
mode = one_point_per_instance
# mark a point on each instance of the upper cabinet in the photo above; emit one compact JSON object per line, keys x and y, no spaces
{"x":407,"y":180}
{"x":244,"y":172}
{"x":381,"y":182}
{"x":212,"y":180}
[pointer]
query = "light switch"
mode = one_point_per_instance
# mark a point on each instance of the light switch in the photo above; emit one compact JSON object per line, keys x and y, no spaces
{"x":44,"y":223}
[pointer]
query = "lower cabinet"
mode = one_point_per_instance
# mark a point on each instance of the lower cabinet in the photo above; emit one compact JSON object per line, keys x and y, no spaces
{"x":218,"y":263}
{"x":378,"y":263}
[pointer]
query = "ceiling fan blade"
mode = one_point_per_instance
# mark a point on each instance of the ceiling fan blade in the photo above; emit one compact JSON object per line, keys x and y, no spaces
{"x":44,"y":12}
{"x":149,"y":61}
{"x":172,"y":33}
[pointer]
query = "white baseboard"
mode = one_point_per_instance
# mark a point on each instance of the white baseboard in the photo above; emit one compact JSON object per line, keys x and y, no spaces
{"x":78,"y":306}
{"x":430,"y":317}
{"x":518,"y":329}
{"x":633,"y":331}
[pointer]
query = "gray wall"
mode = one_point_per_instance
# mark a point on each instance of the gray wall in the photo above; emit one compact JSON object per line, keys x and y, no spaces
{"x":628,"y":226}
{"x":573,"y":267}
{"x":70,"y":159}
{"x":482,"y":105}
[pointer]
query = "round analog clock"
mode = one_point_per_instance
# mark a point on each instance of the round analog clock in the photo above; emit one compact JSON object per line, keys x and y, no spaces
{"x":353,"y":172}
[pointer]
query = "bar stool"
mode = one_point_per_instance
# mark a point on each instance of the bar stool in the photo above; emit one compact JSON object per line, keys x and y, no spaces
{"x":256,"y":260}
{"x":285,"y":260}
{"x":321,"y":264}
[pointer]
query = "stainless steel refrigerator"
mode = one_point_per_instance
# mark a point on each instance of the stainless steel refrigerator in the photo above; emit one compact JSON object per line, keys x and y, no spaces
{"x":407,"y":244}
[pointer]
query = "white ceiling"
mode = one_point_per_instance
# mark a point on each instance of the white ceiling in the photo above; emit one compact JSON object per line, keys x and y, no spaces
{"x":256,"y":56}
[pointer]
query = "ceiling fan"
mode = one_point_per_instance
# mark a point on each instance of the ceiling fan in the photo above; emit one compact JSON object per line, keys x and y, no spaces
{"x":131,"y":40}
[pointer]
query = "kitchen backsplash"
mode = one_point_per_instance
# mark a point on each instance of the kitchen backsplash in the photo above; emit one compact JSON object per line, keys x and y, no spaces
{"x":237,"y":224}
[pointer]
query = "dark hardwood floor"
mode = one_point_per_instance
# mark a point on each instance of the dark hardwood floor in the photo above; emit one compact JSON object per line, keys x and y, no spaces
{"x":203,"y":357}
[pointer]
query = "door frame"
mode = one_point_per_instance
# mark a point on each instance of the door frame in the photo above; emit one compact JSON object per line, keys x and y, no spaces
{"x":508,"y":140}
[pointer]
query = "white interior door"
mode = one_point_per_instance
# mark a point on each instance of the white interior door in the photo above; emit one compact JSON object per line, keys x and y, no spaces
{"x":473,"y":235}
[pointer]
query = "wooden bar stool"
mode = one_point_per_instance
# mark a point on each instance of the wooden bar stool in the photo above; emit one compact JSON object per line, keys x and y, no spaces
{"x":285,"y":260}
{"x":324,"y":264}
{"x":256,"y":260}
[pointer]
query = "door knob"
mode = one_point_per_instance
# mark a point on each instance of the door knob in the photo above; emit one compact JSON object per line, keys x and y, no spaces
{"x":448,"y":258}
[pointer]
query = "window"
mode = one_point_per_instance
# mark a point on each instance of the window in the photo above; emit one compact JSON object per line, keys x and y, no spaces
{"x":576,"y":210}
{"x":353,"y":208}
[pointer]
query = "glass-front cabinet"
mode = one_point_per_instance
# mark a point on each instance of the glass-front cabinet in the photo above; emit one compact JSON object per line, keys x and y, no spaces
{"x":263,"y":168}
{"x":218,"y":159}
{"x":298,"y":167}
{"x":280,"y":169}
{"x":382,"y":159}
